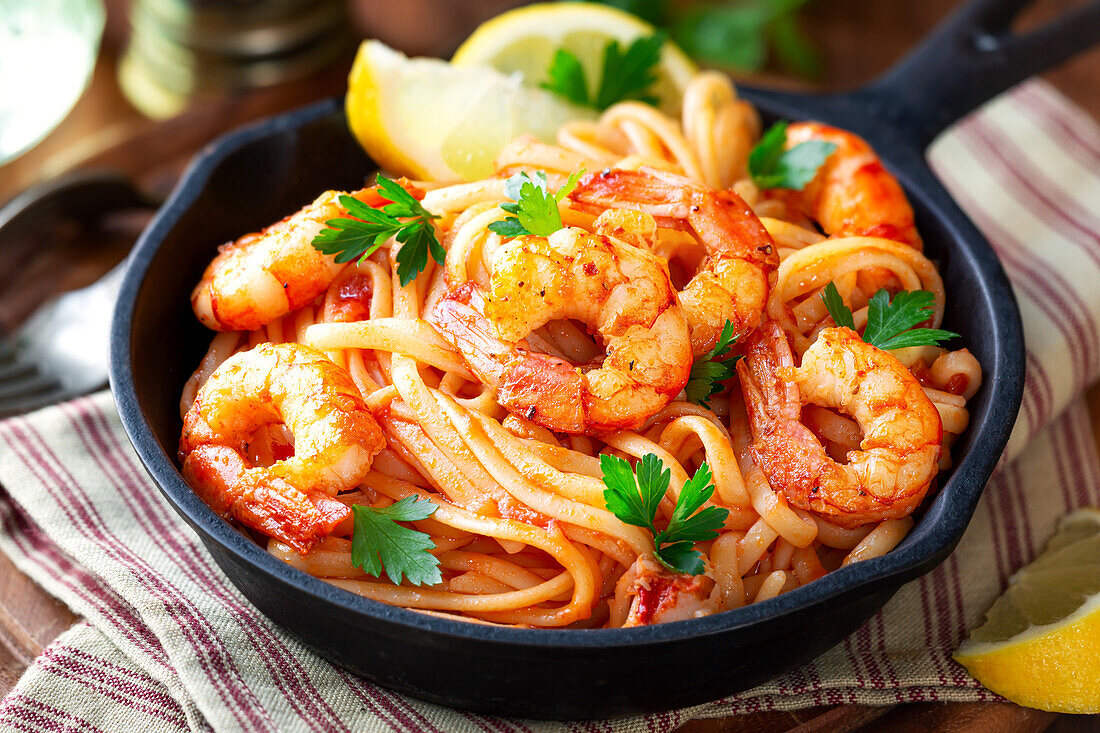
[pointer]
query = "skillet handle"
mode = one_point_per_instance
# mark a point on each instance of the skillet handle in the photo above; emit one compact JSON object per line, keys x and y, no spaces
{"x":972,"y":57}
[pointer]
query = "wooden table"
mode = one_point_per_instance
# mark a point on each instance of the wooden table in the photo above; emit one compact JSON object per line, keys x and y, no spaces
{"x":858,"y":39}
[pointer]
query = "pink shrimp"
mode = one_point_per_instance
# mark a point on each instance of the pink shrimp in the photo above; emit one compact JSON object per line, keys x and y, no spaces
{"x":889,"y":475}
{"x":853,"y":194}
{"x":622,"y":291}
{"x":265,"y":275}
{"x":733,"y":279}
{"x":659,"y":596}
{"x":335,"y":440}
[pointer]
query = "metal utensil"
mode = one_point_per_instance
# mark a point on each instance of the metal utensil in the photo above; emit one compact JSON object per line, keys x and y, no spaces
{"x":60,"y":351}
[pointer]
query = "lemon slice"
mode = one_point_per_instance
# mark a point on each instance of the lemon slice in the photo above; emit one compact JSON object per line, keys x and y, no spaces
{"x":523,"y":41}
{"x":429,"y":120}
{"x":1040,"y":644}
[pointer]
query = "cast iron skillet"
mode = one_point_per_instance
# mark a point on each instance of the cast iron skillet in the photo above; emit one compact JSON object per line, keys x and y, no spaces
{"x":256,"y":175}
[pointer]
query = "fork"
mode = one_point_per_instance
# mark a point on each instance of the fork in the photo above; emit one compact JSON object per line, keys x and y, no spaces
{"x":60,"y":351}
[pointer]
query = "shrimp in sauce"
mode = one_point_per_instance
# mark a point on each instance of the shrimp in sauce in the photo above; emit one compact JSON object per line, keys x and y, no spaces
{"x":335,"y":440}
{"x":264,"y":276}
{"x":624,"y":292}
{"x":659,"y":596}
{"x":852,"y":195}
{"x":732,"y":281}
{"x":898,"y":457}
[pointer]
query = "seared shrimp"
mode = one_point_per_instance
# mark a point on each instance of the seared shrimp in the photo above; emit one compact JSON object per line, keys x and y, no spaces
{"x":659,"y":596}
{"x":263,"y":276}
{"x":732,"y":281}
{"x":853,"y":195}
{"x":335,"y":440}
{"x":622,"y":291}
{"x":902,"y":436}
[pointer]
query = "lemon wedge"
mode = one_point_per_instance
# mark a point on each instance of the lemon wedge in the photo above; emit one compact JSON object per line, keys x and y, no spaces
{"x":523,"y":41}
{"x":1040,"y":644}
{"x":427,"y":119}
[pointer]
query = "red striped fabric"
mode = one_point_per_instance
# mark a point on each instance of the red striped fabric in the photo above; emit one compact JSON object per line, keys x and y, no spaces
{"x":168,"y":644}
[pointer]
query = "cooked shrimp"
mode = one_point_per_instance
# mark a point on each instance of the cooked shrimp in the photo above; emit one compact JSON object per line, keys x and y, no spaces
{"x":902,"y":436}
{"x":263,"y":276}
{"x":853,"y":195}
{"x":622,"y":291}
{"x":659,"y":596}
{"x":732,"y":281}
{"x":335,"y":440}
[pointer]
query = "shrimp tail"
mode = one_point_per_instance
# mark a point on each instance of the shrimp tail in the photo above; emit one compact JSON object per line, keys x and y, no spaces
{"x":220,"y":477}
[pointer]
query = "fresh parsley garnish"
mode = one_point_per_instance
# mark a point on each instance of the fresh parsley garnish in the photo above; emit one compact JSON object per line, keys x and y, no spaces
{"x":625,"y":75}
{"x":535,"y":208}
{"x":403,"y":217}
{"x":708,"y":372}
{"x":890,"y":325}
{"x":566,"y":78}
{"x":379,"y":543}
{"x":842,"y":315}
{"x":634,"y":499}
{"x":772,"y":166}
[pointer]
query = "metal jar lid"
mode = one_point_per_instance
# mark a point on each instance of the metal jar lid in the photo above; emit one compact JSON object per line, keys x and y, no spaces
{"x":183,"y":49}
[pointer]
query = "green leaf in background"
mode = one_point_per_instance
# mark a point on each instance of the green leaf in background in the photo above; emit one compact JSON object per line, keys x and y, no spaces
{"x":725,"y":36}
{"x":740,"y":34}
{"x":566,"y":77}
{"x":792,"y":48}
{"x":625,"y":73}
{"x":651,"y":11}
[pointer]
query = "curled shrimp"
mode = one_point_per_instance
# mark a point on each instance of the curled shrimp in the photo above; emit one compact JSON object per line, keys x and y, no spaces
{"x":622,"y":291}
{"x":891,"y":472}
{"x":265,"y":275}
{"x":335,"y":438}
{"x":732,"y":281}
{"x":853,"y":195}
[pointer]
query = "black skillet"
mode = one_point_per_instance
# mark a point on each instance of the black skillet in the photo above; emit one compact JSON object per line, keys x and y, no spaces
{"x":256,"y":175}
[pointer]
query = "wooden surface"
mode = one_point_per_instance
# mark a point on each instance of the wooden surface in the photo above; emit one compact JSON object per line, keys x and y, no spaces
{"x":858,"y":39}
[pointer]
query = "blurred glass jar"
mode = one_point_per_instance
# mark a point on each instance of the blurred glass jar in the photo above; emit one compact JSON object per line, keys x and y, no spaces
{"x":47,"y":52}
{"x":180,"y":50}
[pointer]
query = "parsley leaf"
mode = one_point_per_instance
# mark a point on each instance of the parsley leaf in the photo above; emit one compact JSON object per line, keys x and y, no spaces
{"x":635,"y":497}
{"x":625,"y":74}
{"x":566,"y":78}
{"x":772,"y":166}
{"x":634,"y":501}
{"x":685,"y":522}
{"x":708,"y":373}
{"x":890,"y":325}
{"x":535,"y":208}
{"x":842,"y":315}
{"x":682,"y":557}
{"x":378,"y":542}
{"x":687,"y":527}
{"x":359,"y":237}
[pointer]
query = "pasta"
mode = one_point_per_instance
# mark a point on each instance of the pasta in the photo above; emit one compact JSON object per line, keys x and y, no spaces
{"x":521,"y":529}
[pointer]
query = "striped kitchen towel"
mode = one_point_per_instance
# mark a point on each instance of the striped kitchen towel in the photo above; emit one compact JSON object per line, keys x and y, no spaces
{"x":167,"y":643}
